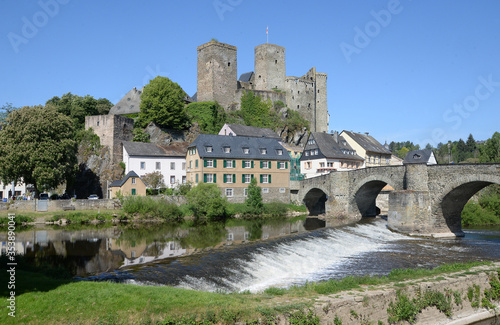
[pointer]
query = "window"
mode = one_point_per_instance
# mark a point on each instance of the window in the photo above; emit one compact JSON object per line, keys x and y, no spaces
{"x":228,"y":178}
{"x":265,"y":164}
{"x":133,"y":180}
{"x":315,"y":151}
{"x":172,"y":166}
{"x":265,"y":179}
{"x":210,"y":178}
{"x":265,"y":190}
{"x":227,"y":149}
{"x":279,"y":152}
{"x":246,"y":151}
{"x":245,"y":192}
{"x":263,"y":151}
{"x":133,"y":191}
{"x":387,"y":161}
{"x":196,"y":178}
{"x":229,"y":163}
{"x":172,"y":179}
{"x":247,"y":164}
{"x":97,"y":123}
{"x":208,"y":148}
{"x":329,"y":164}
{"x":321,"y":164}
{"x":282,"y":190}
{"x":209,"y":163}
{"x":190,"y":166}
{"x":158,"y":165}
{"x":307,"y":153}
{"x":183,"y":166}
{"x":230,"y":237}
{"x":143,"y":165}
{"x":308,"y":165}
{"x":229,"y":192}
{"x":196,"y":164}
{"x":247,"y":178}
{"x":184,"y":180}
{"x":283,"y":165}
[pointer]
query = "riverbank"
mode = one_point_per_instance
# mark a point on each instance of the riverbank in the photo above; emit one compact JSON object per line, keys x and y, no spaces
{"x":462,"y":290}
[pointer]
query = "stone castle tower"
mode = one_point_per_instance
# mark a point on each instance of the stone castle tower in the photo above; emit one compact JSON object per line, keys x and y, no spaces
{"x":217,"y":81}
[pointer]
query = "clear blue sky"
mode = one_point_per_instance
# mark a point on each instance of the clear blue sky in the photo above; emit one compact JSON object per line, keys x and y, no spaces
{"x":424,"y":71}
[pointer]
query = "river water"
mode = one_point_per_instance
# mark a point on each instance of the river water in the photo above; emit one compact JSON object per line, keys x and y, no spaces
{"x":241,"y":255}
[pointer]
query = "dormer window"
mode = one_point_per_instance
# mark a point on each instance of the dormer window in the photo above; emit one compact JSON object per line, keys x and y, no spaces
{"x":279,"y":152}
{"x":227,"y":149}
{"x":209,"y":148}
{"x":246,"y":151}
{"x":263,"y":151}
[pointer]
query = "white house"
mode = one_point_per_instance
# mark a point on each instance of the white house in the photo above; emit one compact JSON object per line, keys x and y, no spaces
{"x":325,"y":153}
{"x":20,"y":189}
{"x":145,"y":158}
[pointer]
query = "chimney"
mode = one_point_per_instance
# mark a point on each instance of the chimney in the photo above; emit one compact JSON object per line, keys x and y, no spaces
{"x":336,"y":136}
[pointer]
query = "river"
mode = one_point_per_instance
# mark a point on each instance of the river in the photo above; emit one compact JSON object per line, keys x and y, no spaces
{"x":243,"y":255}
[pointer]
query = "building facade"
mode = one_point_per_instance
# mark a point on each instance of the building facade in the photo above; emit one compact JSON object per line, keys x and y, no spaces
{"x":232,"y":162}
{"x":145,"y":158}
{"x":130,"y":185}
{"x":373,"y":152}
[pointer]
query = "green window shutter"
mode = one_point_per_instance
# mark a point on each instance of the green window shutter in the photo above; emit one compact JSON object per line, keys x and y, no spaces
{"x":196,"y":178}
{"x":286,"y":164}
{"x":224,"y":178}
{"x":215,"y":178}
{"x":234,"y":163}
{"x":269,"y":179}
{"x":196,"y":163}
{"x":204,"y":178}
{"x":204,"y":163}
{"x":234,"y":178}
{"x":261,"y":164}
{"x":242,"y":164}
{"x":261,"y":178}
{"x":133,"y":191}
{"x":252,"y":163}
{"x":224,"y":164}
{"x":243,"y":178}
{"x":215,"y":163}
{"x":251,"y":177}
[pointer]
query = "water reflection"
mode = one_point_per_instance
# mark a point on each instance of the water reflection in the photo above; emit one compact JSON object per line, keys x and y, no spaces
{"x":94,"y":250}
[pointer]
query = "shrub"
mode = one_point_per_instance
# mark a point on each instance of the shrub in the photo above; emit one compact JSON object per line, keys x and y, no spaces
{"x":149,"y":207}
{"x":205,"y":201}
{"x":276,"y":209}
{"x":254,"y":198}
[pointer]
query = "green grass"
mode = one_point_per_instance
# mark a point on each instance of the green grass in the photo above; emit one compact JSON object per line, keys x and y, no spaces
{"x":41,"y":299}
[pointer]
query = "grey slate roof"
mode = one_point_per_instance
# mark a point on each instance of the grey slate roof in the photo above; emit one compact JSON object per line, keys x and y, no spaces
{"x":246,"y":77}
{"x":152,"y":150}
{"x":122,"y":181}
{"x":418,"y":156}
{"x":252,"y":131}
{"x":237,"y":143}
{"x":368,"y":142}
{"x":329,"y":148}
{"x":128,"y":104}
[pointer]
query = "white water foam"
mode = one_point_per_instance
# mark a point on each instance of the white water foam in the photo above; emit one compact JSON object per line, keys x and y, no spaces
{"x":302,"y":260}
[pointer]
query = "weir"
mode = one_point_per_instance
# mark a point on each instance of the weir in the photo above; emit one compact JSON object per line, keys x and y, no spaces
{"x":426,"y":201}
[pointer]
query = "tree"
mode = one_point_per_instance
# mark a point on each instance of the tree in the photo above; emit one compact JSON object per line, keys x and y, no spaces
{"x":209,"y":115}
{"x":5,"y":111}
{"x":162,"y":102}
{"x":490,"y":150}
{"x":205,"y":200}
{"x":254,"y":199}
{"x":37,"y":147}
{"x":402,"y":152}
{"x":461,"y":150}
{"x":471,"y":146}
{"x":254,"y":111}
{"x":154,"y":180}
{"x":77,"y":107}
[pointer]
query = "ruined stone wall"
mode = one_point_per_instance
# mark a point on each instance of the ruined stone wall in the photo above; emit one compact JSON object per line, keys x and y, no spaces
{"x":300,"y":97}
{"x":270,"y":68}
{"x":263,"y":94}
{"x":217,"y":73}
{"x":321,"y":106}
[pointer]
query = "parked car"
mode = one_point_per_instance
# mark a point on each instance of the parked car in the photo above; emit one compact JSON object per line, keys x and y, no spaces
{"x":93,"y":197}
{"x":44,"y":196}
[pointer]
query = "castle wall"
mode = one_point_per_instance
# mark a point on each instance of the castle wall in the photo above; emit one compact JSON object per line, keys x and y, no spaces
{"x":217,"y":73}
{"x":300,"y":97}
{"x":270,"y":69}
{"x":322,"y":115}
{"x":263,"y":94}
{"x":112,"y":130}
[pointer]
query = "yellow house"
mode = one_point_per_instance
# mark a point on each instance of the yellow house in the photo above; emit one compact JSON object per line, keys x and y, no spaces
{"x":232,"y":161}
{"x":131,"y":184}
{"x":374,"y":153}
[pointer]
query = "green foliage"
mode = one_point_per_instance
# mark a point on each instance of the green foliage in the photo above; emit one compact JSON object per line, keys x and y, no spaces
{"x":18,"y":220}
{"x":77,"y":107}
{"x":5,"y":110}
{"x":209,"y":115}
{"x":89,"y":143}
{"x":37,"y":146}
{"x":301,"y":318}
{"x":337,"y":320}
{"x":402,"y":310}
{"x":401,"y":153}
{"x":254,"y":111}
{"x":140,"y":135}
{"x":205,"y":201}
{"x":295,"y":122}
{"x":276,"y":209}
{"x":275,"y":291}
{"x":183,"y":189}
{"x":484,"y":212}
{"x":489,"y":152}
{"x":394,"y":147}
{"x":254,"y":198}
{"x":148,"y":207}
{"x":162,"y":102}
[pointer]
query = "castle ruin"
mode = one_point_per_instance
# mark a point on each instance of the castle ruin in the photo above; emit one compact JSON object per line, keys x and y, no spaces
{"x":217,"y":81}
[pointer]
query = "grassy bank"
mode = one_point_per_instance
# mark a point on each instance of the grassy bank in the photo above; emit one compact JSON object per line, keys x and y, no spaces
{"x":41,"y":299}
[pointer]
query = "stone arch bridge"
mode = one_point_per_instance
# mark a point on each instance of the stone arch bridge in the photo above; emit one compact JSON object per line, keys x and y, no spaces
{"x":426,"y":201}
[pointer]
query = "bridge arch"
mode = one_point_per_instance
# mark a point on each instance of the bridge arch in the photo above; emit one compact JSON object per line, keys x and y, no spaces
{"x":455,"y":195}
{"x":365,"y":194}
{"x":314,"y":201}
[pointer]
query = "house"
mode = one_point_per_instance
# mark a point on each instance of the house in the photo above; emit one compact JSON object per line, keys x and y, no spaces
{"x":248,"y":131}
{"x":324,"y":153}
{"x":145,"y":158}
{"x":425,"y":156}
{"x":131,"y":184}
{"x":374,"y":153}
{"x":232,"y":161}
{"x":20,"y":189}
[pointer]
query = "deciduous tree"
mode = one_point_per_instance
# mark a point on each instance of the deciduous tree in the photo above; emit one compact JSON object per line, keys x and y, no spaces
{"x":37,"y":147}
{"x":254,"y":199}
{"x":154,"y":180}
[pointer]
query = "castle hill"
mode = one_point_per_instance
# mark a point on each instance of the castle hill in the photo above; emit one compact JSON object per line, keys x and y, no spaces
{"x":322,"y":163}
